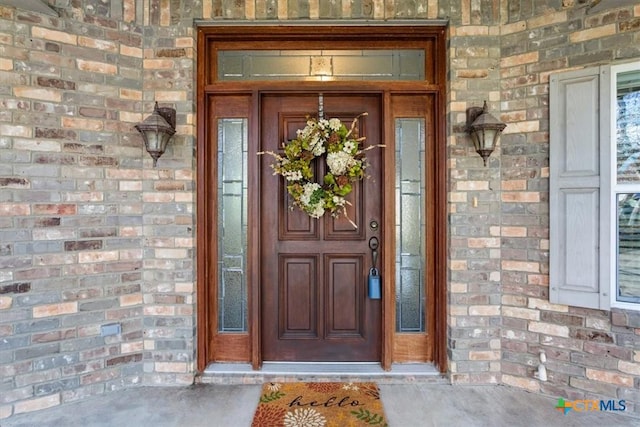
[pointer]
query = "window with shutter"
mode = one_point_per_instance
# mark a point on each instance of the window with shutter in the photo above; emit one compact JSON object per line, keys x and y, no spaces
{"x":595,"y":187}
{"x":624,"y":153}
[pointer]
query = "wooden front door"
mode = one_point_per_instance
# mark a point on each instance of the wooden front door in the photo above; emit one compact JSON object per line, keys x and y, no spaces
{"x":313,"y":272}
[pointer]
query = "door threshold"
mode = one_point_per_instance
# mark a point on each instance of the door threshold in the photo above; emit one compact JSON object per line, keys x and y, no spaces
{"x":242,"y":373}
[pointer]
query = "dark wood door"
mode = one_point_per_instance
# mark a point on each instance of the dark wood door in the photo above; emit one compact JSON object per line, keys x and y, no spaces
{"x":313,"y":286}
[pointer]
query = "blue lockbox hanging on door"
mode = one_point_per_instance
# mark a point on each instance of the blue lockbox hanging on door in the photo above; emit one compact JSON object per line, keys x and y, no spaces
{"x":375,"y":288}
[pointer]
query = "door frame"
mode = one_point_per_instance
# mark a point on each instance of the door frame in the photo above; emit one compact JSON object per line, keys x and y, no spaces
{"x":210,"y":39}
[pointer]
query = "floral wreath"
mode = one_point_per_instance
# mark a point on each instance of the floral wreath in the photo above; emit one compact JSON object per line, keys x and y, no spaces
{"x":345,"y":161}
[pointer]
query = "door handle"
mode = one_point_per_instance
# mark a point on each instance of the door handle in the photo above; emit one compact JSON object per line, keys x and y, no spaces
{"x":374,"y":281}
{"x":374,"y":244}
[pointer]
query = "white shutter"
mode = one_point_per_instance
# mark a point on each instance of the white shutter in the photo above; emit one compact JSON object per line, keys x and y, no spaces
{"x":578,"y":276}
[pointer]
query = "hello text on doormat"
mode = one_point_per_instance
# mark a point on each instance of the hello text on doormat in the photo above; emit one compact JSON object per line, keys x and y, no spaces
{"x":319,"y":405}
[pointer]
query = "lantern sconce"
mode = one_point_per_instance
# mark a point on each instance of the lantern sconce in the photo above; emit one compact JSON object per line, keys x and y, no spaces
{"x":484,"y":129}
{"x":157,"y":130}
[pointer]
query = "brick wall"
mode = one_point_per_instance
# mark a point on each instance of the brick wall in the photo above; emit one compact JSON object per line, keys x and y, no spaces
{"x":591,"y":354}
{"x":168,"y":194}
{"x":91,"y":234}
{"x":474,"y":242}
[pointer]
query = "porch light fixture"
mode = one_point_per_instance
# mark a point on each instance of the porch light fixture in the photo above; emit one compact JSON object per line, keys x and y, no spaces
{"x":157,"y":130}
{"x":484,"y":129}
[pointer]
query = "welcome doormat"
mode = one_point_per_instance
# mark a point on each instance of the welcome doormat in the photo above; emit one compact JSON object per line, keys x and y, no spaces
{"x":319,"y":405}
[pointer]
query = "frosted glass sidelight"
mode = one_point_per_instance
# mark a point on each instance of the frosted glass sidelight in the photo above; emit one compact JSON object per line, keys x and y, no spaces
{"x":232,"y":224}
{"x":410,"y":224}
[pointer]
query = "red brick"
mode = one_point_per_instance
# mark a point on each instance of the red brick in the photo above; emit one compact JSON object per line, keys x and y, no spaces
{"x":54,"y":209}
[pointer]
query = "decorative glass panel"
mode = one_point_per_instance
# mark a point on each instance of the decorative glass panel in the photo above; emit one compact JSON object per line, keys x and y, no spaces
{"x":232,"y":225}
{"x":368,"y":64}
{"x":410,"y":225}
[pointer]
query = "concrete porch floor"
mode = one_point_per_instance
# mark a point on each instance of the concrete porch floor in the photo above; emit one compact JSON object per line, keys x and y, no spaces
{"x":406,"y":405}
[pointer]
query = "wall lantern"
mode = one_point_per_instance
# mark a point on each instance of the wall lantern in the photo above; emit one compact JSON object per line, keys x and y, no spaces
{"x":484,"y":129}
{"x":157,"y":130}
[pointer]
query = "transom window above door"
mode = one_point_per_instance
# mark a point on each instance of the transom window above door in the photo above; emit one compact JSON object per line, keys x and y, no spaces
{"x":321,"y":65}
{"x":400,"y":55}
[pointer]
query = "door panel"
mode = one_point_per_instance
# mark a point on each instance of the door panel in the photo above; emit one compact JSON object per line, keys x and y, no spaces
{"x":342,"y":272}
{"x":313,"y":271}
{"x":299,"y":297}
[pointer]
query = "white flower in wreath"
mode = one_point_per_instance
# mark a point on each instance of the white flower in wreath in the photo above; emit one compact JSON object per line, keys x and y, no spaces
{"x":317,"y":146}
{"x":349,"y":146}
{"x":292,"y":175}
{"x":334,"y":124}
{"x":339,"y":162}
{"x":303,"y":133}
{"x":318,"y":211}
{"x":307,"y":417}
{"x":308,"y":189}
{"x":307,"y":131}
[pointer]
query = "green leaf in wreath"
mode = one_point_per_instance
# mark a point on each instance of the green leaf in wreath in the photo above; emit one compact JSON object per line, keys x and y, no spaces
{"x":329,"y":179}
{"x":344,"y":190}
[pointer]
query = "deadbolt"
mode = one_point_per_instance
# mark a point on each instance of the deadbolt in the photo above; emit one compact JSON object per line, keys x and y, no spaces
{"x":373,"y":224}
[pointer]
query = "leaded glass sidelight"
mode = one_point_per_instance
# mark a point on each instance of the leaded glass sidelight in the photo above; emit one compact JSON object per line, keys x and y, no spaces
{"x":232,"y":225}
{"x":410,"y":224}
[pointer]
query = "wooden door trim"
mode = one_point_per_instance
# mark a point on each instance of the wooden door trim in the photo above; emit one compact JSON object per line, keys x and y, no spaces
{"x":254,"y":236}
{"x":202,"y":297}
{"x":440,"y":274}
{"x":388,"y":223}
{"x":209,"y":40}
